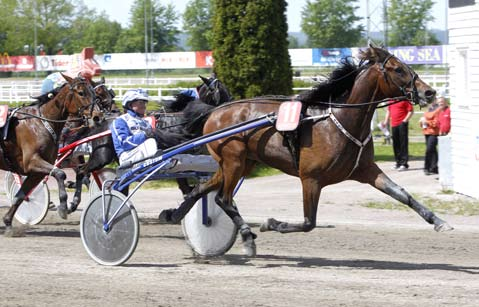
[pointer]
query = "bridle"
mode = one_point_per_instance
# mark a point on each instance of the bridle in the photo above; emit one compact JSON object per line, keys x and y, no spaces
{"x":104,"y":103}
{"x":411,"y":94}
{"x":80,"y":108}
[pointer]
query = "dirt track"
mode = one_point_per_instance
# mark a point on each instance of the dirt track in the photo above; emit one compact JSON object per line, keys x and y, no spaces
{"x":355,"y":258}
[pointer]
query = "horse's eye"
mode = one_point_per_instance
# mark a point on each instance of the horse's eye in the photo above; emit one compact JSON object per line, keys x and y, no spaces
{"x":399,"y":70}
{"x":81,"y":94}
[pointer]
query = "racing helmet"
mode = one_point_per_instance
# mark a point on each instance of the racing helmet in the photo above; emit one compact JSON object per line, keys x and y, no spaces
{"x":132,"y":95}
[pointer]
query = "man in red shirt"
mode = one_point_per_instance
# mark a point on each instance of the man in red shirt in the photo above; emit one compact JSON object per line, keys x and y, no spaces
{"x":444,"y":117}
{"x":399,"y":113}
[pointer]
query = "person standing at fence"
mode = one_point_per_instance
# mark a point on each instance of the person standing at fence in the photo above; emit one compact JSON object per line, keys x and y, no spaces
{"x":399,"y":113}
{"x":444,"y":117}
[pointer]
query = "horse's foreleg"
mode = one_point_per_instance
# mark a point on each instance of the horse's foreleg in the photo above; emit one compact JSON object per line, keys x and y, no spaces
{"x":27,"y":185}
{"x":311,"y":193}
{"x":40,"y":166}
{"x":174,"y":216}
{"x":78,"y":187}
{"x":376,"y":177}
{"x":60,"y":177}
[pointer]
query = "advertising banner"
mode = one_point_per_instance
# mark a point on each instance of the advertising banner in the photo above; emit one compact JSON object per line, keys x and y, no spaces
{"x":301,"y":57}
{"x":204,"y":59}
{"x":17,"y":63}
{"x":329,"y":56}
{"x":419,"y":55}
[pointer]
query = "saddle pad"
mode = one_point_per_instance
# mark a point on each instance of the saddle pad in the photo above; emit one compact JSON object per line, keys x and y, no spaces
{"x":3,"y":115}
{"x":288,"y":116}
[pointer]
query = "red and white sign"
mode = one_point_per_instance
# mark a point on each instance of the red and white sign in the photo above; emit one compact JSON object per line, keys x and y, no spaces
{"x":288,"y":116}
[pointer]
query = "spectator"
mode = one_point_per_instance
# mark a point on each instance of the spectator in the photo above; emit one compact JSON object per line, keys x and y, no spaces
{"x":444,"y":116}
{"x":430,"y":129}
{"x":434,"y":123}
{"x":133,"y":136}
{"x":400,"y":113}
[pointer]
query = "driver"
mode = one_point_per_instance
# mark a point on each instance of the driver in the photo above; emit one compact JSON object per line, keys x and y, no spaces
{"x":133,"y":136}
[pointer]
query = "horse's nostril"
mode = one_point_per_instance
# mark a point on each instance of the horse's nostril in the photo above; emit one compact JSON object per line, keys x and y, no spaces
{"x":96,"y":119}
{"x":430,"y":93}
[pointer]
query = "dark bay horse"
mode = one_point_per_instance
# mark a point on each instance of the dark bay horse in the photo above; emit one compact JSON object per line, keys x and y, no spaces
{"x":104,"y":101}
{"x":333,"y":138}
{"x":170,"y":127}
{"x":30,"y":145}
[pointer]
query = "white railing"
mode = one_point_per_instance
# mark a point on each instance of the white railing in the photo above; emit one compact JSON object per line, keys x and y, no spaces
{"x":20,"y":91}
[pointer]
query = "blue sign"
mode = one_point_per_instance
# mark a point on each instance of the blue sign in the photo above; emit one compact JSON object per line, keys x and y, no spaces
{"x":329,"y":56}
{"x":419,"y":55}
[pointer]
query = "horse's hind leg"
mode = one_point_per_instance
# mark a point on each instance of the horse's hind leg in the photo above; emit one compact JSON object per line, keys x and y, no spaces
{"x":233,"y":170}
{"x":27,"y":185}
{"x":174,"y":216}
{"x":373,"y":175}
{"x":311,"y":193}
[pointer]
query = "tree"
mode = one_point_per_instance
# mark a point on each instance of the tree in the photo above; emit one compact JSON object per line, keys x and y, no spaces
{"x":198,"y":24}
{"x":250,"y":47}
{"x":95,"y":31}
{"x":330,"y":23}
{"x":160,"y":28}
{"x":408,"y":23}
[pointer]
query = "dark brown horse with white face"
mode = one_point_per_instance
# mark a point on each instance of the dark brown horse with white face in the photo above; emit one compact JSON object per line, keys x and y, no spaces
{"x":30,"y":146}
{"x":334,"y":144}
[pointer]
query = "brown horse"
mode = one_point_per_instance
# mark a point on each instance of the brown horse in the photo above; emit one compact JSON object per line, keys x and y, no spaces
{"x":30,"y":145}
{"x":333,"y":141}
{"x":104,"y":102}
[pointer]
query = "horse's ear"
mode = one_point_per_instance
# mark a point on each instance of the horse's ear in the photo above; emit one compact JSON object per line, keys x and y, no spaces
{"x":66,"y":77}
{"x":205,"y":80}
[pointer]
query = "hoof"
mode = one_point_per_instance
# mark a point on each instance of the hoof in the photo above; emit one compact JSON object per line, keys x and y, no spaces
{"x":443,"y":227}
{"x":62,"y":212}
{"x":11,"y":232}
{"x":268,"y":225}
{"x":165,"y":216}
{"x":249,"y":248}
{"x":73,"y":207}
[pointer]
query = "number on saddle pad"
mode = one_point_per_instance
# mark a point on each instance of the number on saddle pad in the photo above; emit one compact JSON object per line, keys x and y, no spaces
{"x":3,"y":115}
{"x":288,"y":116}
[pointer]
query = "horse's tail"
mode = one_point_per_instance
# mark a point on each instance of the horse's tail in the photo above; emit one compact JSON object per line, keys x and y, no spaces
{"x":195,"y":115}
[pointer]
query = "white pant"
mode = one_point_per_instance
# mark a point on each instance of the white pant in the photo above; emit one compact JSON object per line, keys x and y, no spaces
{"x":144,"y":150}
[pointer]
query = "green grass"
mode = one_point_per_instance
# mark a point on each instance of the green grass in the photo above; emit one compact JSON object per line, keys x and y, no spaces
{"x":384,"y":153}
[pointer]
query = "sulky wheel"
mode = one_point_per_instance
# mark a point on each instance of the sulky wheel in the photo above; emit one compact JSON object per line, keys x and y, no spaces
{"x":103,"y":174}
{"x":212,"y":236}
{"x":115,"y":245}
{"x":8,"y":183}
{"x":35,"y":207}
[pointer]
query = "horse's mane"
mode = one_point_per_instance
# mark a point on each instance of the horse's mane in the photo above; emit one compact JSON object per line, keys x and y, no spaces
{"x":338,"y":84}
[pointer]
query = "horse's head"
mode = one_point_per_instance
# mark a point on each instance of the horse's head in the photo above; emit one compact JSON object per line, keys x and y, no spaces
{"x":213,"y":91}
{"x":79,"y":97}
{"x":104,"y":97}
{"x":397,"y":78}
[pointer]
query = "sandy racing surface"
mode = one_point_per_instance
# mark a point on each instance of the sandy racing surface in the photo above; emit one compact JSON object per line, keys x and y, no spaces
{"x":356,"y":257}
